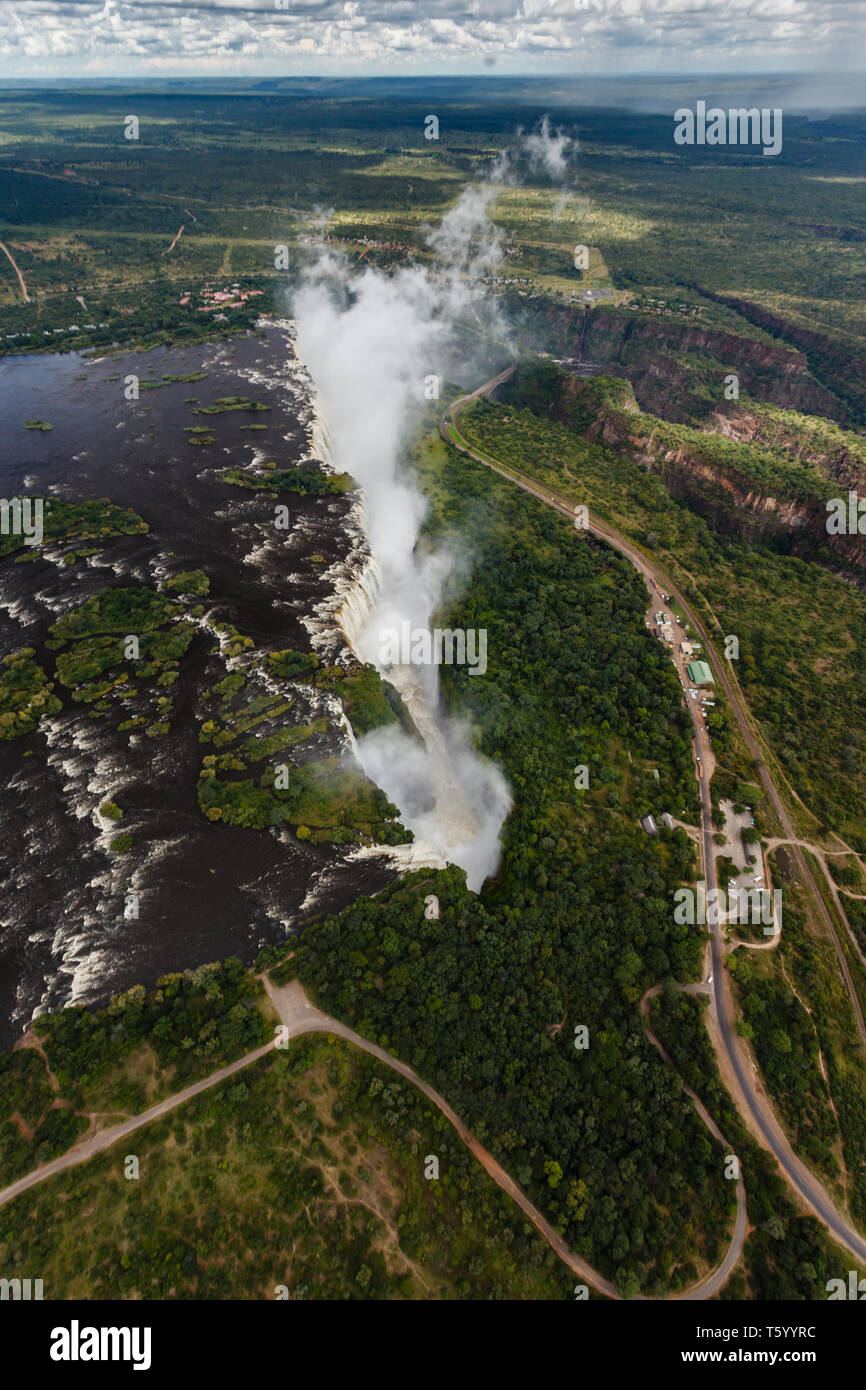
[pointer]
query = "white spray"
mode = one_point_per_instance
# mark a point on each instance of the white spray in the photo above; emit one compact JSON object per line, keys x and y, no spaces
{"x":370,"y":343}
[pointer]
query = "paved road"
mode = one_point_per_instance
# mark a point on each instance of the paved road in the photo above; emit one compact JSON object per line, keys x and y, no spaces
{"x":717,"y":1280}
{"x":745,"y":1085}
{"x":300,"y":1017}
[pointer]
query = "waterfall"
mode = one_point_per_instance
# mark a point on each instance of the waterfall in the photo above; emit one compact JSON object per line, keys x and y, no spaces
{"x":452,"y":800}
{"x":359,"y":594}
{"x":356,"y":619}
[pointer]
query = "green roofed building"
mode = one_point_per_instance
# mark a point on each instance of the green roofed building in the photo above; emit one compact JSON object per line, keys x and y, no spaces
{"x":699,"y":673}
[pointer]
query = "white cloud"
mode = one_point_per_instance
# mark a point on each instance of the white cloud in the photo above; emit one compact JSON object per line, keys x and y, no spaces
{"x":387,"y":36}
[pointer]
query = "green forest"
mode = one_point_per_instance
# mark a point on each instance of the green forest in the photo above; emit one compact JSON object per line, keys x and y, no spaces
{"x":485,"y":1000}
{"x":799,"y":626}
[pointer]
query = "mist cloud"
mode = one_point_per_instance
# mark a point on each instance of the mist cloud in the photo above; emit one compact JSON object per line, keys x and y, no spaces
{"x":370,"y":342}
{"x":547,"y":152}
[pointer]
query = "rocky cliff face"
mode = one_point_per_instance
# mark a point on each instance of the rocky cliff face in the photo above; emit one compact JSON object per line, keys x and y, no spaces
{"x":838,"y":460}
{"x":731,"y":502}
{"x":830,"y":360}
{"x":650,"y":352}
{"x":649,"y":355}
{"x":714,"y":483}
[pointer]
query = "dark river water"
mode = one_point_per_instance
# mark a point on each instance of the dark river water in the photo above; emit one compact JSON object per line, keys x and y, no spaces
{"x":205,"y":891}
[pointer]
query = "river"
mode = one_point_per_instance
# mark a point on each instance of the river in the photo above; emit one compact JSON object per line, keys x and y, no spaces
{"x":205,"y":891}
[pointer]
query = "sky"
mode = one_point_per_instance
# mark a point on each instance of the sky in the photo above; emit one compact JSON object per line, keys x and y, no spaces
{"x":45,"y":39}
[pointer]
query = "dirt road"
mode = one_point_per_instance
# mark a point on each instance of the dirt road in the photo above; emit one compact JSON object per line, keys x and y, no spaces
{"x":299,"y":1017}
{"x":14,"y":264}
{"x":105,"y":1138}
{"x":177,"y":238}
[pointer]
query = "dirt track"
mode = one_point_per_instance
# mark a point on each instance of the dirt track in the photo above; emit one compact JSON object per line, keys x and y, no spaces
{"x":300,"y":1017}
{"x":14,"y":264}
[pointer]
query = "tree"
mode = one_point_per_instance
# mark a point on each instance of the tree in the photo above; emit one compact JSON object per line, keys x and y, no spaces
{"x":553,"y":1171}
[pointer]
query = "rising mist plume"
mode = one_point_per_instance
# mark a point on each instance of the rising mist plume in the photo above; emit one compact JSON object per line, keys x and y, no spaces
{"x":370,"y":341}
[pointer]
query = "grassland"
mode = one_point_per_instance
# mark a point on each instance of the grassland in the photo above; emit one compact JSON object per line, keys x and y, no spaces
{"x":89,"y":213}
{"x":308,"y":1176}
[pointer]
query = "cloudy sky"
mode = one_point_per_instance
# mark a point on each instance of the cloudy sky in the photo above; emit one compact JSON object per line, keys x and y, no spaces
{"x":162,"y":38}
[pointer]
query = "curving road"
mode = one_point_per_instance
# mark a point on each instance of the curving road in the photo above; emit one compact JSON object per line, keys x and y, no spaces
{"x":298,"y":1017}
{"x":176,"y":240}
{"x":822,"y":855}
{"x":721,"y":1275}
{"x":739,"y":1071}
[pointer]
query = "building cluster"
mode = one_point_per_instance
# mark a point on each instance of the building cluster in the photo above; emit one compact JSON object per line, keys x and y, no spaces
{"x":663,"y":626}
{"x":660,"y":306}
{"x":397,"y":248}
{"x":505,"y":280}
{"x":380,"y":245}
{"x":52,"y":332}
{"x":699,"y":688}
{"x":230,"y":297}
{"x":590,"y":296}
